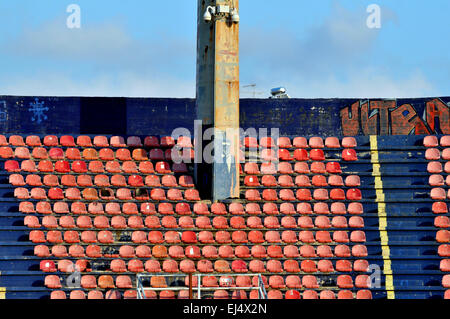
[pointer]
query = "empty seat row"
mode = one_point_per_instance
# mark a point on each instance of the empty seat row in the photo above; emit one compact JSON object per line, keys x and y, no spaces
{"x":104,"y":154}
{"x":92,"y":294}
{"x":278,"y":282}
{"x":439,"y":193}
{"x":101,"y":180}
{"x":224,"y":251}
{"x":80,"y":167}
{"x":199,"y":208}
{"x":219,"y":294}
{"x":434,"y":154}
{"x":437,"y":167}
{"x":302,"y":181}
{"x":303,"y":194}
{"x":438,"y":180}
{"x":287,"y":168}
{"x":205,"y":266}
{"x":301,"y":155}
{"x":300,"y":142}
{"x":205,"y":237}
{"x":337,"y":208}
{"x":202,"y":222}
{"x":98,"y":141}
{"x":92,"y":194}
{"x":433,"y":141}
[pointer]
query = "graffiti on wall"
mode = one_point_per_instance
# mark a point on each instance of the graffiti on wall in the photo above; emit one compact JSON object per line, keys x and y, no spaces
{"x":38,"y":109}
{"x":386,"y":117}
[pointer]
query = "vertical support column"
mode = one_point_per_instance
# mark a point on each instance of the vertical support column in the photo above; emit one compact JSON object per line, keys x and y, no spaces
{"x":218,"y":100}
{"x":204,"y":98}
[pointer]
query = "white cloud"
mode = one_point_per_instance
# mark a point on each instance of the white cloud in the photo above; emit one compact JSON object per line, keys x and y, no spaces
{"x":107,"y":59}
{"x":120,"y":85}
{"x":335,"y":59}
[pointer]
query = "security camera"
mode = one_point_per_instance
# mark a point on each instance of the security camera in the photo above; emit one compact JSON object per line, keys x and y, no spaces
{"x":208,"y":13}
{"x":207,"y":16}
{"x":235,"y":16}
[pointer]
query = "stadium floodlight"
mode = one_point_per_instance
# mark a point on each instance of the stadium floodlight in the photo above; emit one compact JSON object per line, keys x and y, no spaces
{"x":235,"y":16}
{"x":210,"y":11}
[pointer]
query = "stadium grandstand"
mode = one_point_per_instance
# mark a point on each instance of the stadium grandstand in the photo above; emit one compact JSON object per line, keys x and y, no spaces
{"x":106,"y":198}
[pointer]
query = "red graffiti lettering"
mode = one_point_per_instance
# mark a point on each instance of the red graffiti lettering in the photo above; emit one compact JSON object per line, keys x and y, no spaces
{"x":350,"y":122}
{"x":383,"y":111}
{"x":368,"y":124}
{"x":404,"y":120}
{"x":438,"y":110}
{"x":392,"y":120}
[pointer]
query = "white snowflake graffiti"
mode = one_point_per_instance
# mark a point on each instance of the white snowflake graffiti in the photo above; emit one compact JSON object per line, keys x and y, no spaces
{"x":38,"y":109}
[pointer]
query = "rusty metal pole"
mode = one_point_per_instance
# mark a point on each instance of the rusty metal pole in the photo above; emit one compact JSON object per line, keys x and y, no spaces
{"x":218,"y":100}
{"x":190,"y":286}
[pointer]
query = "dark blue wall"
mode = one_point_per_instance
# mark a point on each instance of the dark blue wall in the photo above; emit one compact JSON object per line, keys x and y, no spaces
{"x":159,"y":116}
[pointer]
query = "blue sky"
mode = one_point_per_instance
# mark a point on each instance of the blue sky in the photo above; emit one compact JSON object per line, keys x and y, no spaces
{"x":147,"y":48}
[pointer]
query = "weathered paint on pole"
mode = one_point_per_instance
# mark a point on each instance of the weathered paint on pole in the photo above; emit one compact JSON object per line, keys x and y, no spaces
{"x":218,"y":100}
{"x":226,"y":108}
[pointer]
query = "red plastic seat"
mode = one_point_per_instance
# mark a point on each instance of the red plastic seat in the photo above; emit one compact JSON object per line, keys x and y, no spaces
{"x":31,"y":221}
{"x":316,"y":142}
{"x":301,"y":168}
{"x":434,"y":167}
{"x":345,"y":294}
{"x":174,"y":194}
{"x":360,"y":265}
{"x":430,"y":141}
{"x":41,"y":153}
{"x":432,"y":154}
{"x":12,"y":166}
{"x":251,"y":209}
{"x":223,"y":237}
{"x":443,"y":236}
{"x":256,"y":237}
{"x":446,"y":154}
{"x":6,"y":152}
{"x":118,"y":222}
{"x":344,"y":281}
{"x":444,"y":141}
{"x":52,"y":282}
{"x":333,"y":168}
{"x":438,"y":194}
{"x":22,"y":153}
{"x":192,"y":195}
{"x":444,"y":265}
{"x":67,"y":221}
{"x":364,"y":294}
{"x":59,"y":251}
{"x":446,"y":281}
{"x":327,"y":294}
{"x":354,"y":194}
{"x":222,"y":266}
{"x":26,"y":207}
{"x":303,"y":194}
{"x":50,"y":140}
{"x":284,"y":142}
{"x":316,"y":155}
{"x":442,"y":222}
{"x":332,"y":142}
{"x":130,"y":167}
{"x":250,"y":142}
{"x":349,"y":155}
{"x":309,"y":282}
{"x":17,"y":180}
{"x":16,"y":140}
